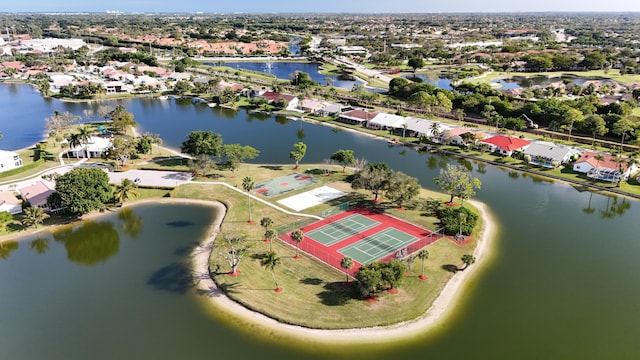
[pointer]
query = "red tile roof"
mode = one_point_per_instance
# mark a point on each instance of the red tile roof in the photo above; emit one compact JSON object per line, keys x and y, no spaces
{"x":609,"y":161}
{"x":506,"y":143}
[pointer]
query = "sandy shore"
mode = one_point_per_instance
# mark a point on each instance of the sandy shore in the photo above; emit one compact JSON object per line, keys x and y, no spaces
{"x":436,"y":313}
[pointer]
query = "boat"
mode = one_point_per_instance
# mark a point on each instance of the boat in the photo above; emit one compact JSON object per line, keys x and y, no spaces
{"x":212,"y":105}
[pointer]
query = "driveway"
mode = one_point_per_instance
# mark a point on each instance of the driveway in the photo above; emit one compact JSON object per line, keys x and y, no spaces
{"x":152,"y":177}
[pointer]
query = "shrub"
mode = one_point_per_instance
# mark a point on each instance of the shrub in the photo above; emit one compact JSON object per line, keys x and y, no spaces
{"x":450,"y":220}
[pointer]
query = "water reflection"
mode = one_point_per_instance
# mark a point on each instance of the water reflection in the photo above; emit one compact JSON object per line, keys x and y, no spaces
{"x":90,"y":243}
{"x":615,"y":207}
{"x":130,"y":223}
{"x":7,"y":247}
{"x":39,"y":245}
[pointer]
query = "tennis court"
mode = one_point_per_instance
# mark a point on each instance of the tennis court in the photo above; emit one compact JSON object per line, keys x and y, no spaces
{"x":339,"y":230}
{"x":378,"y":245}
{"x":364,"y":235}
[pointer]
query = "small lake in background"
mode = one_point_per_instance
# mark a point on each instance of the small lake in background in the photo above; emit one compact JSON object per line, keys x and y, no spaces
{"x":285,"y":70}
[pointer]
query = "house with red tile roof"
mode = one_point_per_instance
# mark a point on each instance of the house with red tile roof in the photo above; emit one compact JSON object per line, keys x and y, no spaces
{"x":602,"y":166}
{"x":505,"y":145}
{"x":357,"y":116}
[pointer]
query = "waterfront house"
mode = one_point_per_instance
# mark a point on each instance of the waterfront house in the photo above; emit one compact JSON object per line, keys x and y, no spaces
{"x":384,"y":121}
{"x":357,"y":116}
{"x":290,"y":100}
{"x":9,"y":160}
{"x":417,"y":127}
{"x":10,"y":203}
{"x":548,"y":154}
{"x":37,"y":194}
{"x":606,"y":167}
{"x":505,"y":145}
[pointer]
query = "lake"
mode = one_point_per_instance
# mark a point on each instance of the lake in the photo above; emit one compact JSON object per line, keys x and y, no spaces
{"x":563,"y":282}
{"x":285,"y":70}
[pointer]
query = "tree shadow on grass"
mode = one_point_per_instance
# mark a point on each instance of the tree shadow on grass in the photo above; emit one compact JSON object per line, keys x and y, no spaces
{"x":451,"y":268}
{"x":337,"y":294}
{"x":272,"y":167}
{"x":311,"y":281}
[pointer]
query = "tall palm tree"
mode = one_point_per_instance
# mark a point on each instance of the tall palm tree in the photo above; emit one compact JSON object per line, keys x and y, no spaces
{"x":468,"y":259}
{"x":248,"y":184}
{"x":297,"y":236}
{"x":598,"y":158}
{"x":463,"y":220}
{"x":74,"y":141}
{"x":423,"y":255}
{"x":269,"y":236}
{"x":266,"y":222}
{"x":126,"y":190}
{"x":435,"y":130}
{"x":270,"y":261}
{"x":84,"y":134}
{"x":346,"y":263}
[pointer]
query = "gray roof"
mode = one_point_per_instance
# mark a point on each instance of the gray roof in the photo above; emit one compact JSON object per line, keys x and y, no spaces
{"x":549,"y":150}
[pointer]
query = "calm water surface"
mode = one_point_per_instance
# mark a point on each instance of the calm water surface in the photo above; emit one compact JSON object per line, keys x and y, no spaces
{"x":564,"y":282}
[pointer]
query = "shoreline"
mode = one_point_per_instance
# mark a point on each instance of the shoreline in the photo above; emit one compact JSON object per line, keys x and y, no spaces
{"x":437,"y":312}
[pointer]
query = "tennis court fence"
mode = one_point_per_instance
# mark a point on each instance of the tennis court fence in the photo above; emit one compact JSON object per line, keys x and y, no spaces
{"x":404,"y":253}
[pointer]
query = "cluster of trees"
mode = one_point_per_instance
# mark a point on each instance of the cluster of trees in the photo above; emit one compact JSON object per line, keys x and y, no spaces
{"x":204,"y":146}
{"x":378,"y":276}
{"x":457,"y":181}
{"x":425,"y":96}
{"x":398,"y":187}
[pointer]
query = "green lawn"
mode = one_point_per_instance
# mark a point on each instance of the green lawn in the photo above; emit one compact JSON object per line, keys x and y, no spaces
{"x":310,"y":286}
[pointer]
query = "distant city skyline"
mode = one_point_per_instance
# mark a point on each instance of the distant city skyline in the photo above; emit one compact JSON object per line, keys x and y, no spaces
{"x":325,"y":6}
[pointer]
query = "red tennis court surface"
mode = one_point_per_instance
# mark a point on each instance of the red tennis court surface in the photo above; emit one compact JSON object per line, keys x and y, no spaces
{"x":331,"y":255}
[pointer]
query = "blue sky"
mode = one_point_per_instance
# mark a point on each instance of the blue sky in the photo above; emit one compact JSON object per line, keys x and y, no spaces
{"x":329,"y":6}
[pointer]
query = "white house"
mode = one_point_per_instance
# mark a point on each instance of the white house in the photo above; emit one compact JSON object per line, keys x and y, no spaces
{"x":94,"y":148}
{"x":384,"y":121}
{"x":9,"y":160}
{"x":10,"y":203}
{"x":548,"y":154}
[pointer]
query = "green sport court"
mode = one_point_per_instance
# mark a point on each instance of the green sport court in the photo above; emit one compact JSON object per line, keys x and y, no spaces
{"x":342,"y":229}
{"x":378,"y":245}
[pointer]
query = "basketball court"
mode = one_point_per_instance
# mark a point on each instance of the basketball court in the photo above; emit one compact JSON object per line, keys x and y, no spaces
{"x":283,"y":184}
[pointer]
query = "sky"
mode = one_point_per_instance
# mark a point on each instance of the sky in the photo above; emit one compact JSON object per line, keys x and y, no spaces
{"x":323,"y":6}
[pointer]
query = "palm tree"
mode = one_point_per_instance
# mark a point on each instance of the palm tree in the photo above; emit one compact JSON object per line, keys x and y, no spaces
{"x":423,"y":255}
{"x":125,"y":191}
{"x":598,"y":158}
{"x":269,"y":236}
{"x":74,"y":141}
{"x":32,"y":216}
{"x":468,"y":259}
{"x":435,"y":130}
{"x":266,"y":222}
{"x":297,"y":236}
{"x":269,"y":262}
{"x":84,"y":134}
{"x":248,"y":185}
{"x":346,"y":263}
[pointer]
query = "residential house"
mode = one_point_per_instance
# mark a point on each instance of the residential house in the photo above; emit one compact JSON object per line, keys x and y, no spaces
{"x":93,"y":148}
{"x":417,"y":127}
{"x":548,"y":154}
{"x":357,"y":116}
{"x":454,"y":136}
{"x":9,"y":160}
{"x":384,"y":121}
{"x":602,"y":166}
{"x":310,"y":106}
{"x":290,"y":100}
{"x":505,"y":145}
{"x":38,"y":193}
{"x":10,"y":203}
